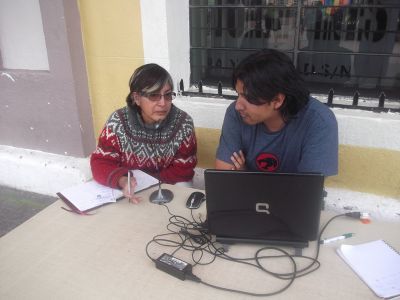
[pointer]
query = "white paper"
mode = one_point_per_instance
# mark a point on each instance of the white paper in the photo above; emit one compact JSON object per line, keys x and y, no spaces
{"x":143,"y":180}
{"x":377,"y":264}
{"x":92,"y":194}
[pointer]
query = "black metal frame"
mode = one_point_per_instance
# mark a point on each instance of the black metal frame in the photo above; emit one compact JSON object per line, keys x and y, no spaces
{"x":380,"y":108}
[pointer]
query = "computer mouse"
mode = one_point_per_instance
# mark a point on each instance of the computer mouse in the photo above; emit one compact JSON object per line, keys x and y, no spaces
{"x":195,"y":200}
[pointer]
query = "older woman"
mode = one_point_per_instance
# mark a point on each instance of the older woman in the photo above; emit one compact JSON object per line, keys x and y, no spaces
{"x":150,"y":134}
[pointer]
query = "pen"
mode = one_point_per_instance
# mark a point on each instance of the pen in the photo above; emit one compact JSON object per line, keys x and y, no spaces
{"x":129,"y":185}
{"x":336,"y":238}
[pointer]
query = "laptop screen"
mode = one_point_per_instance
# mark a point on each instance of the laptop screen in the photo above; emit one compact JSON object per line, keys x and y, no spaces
{"x":276,"y":208}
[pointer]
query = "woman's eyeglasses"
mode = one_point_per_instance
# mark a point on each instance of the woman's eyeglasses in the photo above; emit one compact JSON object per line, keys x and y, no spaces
{"x":154,"y":97}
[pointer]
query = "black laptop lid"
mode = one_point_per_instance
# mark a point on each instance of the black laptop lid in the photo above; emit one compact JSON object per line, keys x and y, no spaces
{"x":259,"y":206}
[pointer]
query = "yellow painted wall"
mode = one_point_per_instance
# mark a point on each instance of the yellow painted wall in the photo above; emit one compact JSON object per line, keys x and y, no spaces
{"x":361,"y":169}
{"x":207,"y":140}
{"x":112,"y":36}
{"x":368,"y":170}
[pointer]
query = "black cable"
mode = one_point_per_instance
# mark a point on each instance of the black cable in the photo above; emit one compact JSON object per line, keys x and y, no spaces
{"x":322,"y":231}
{"x":192,"y":237}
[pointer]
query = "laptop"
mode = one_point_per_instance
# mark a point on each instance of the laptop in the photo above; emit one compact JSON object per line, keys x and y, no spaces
{"x":258,"y":207}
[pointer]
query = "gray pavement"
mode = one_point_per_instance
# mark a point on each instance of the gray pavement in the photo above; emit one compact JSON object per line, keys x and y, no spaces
{"x":18,"y":206}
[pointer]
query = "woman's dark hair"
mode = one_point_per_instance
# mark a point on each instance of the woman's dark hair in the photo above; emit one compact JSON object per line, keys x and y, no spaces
{"x":149,"y":78}
{"x":265,"y":74}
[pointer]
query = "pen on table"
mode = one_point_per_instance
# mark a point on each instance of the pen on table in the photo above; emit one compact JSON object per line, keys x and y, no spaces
{"x":129,"y":185}
{"x":336,"y":238}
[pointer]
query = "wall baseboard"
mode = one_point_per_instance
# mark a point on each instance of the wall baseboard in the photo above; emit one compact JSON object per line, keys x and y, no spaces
{"x":41,"y":172}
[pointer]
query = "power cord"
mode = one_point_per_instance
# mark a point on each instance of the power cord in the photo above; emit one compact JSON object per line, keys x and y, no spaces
{"x":190,"y":235}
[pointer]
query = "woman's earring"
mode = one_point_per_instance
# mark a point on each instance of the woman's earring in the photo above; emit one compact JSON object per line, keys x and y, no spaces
{"x":135,"y":98}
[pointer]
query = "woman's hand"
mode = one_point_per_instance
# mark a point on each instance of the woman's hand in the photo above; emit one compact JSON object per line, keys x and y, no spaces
{"x":128,"y":189}
{"x":238,"y":161}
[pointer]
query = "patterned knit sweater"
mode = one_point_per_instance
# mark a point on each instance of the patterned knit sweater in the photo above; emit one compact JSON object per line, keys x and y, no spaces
{"x":125,"y":143}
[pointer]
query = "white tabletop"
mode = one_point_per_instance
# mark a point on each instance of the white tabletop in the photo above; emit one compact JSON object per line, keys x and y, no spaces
{"x":61,"y":255}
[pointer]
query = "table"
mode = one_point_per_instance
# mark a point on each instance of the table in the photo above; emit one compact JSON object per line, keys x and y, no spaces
{"x":61,"y":255}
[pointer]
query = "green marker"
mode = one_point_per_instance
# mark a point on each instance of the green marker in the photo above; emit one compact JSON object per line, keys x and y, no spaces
{"x":337,"y":238}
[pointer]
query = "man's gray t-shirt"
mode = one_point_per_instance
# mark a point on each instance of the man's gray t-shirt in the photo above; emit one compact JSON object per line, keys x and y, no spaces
{"x":307,"y":143}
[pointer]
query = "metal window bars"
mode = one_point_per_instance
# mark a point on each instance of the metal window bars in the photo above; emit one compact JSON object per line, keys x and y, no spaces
{"x":199,"y":92}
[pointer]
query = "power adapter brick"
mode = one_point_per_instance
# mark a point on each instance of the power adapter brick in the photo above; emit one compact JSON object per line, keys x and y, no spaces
{"x":174,"y":266}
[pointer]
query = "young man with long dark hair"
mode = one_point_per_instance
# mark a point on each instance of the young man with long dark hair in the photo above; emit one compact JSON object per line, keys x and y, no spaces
{"x":274,"y":125}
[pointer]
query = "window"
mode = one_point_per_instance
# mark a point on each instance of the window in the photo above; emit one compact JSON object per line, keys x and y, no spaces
{"x":22,"y":42}
{"x":354,"y":45}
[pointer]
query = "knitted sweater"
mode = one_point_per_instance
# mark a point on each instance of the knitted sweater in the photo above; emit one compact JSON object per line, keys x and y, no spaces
{"x":125,"y":143}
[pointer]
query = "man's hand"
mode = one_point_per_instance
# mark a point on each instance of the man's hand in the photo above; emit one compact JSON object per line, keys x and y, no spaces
{"x":238,"y":161}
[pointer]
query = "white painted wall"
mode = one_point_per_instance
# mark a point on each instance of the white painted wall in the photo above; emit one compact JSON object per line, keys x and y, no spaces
{"x":22,"y":43}
{"x":154,"y":30}
{"x":178,"y":40}
{"x":165,"y":30}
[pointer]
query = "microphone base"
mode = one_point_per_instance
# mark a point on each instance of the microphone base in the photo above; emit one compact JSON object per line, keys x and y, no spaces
{"x":160,"y":198}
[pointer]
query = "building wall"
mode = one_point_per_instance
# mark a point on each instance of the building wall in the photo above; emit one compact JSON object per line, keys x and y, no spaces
{"x":369,"y":159}
{"x":112,"y":35}
{"x":48,"y":110}
{"x":22,"y":47}
{"x":114,"y":45}
{"x":166,"y":36}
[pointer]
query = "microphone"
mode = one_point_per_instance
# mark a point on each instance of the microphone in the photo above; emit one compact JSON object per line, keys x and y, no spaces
{"x":160,"y":196}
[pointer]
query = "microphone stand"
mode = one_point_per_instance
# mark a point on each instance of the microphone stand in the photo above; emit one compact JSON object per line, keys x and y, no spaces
{"x":160,"y":196}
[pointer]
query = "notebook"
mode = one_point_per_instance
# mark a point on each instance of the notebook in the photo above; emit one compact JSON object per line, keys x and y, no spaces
{"x":377,"y":264}
{"x":89,"y":195}
{"x":260,"y":207}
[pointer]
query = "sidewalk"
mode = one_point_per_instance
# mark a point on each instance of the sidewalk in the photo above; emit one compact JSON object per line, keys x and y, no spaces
{"x":18,"y":206}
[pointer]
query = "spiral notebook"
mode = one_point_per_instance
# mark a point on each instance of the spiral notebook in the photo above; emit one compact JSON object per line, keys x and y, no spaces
{"x":89,"y":195}
{"x":377,"y":264}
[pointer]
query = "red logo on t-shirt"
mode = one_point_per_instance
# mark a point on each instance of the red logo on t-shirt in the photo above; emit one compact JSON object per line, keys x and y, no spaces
{"x":267,"y":162}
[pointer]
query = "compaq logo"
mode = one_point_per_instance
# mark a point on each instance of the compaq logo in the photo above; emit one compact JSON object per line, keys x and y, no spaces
{"x":262,"y":208}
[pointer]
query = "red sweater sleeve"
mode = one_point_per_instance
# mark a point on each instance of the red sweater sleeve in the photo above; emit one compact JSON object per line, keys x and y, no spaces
{"x":106,"y":161}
